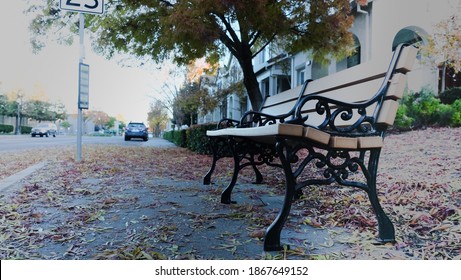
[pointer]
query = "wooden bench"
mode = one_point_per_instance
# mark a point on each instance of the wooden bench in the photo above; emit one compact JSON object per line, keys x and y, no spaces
{"x":335,"y":125}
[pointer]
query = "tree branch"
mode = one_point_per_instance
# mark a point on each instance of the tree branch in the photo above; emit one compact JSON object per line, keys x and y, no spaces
{"x":254,"y":37}
{"x":264,"y":46}
{"x":229,"y":28}
{"x":228,"y":43}
{"x":168,"y":3}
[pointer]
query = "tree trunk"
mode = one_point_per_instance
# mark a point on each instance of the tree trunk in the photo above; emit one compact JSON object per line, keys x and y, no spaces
{"x":250,"y":81}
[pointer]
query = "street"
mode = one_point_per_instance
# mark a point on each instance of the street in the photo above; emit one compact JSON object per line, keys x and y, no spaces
{"x":26,"y":142}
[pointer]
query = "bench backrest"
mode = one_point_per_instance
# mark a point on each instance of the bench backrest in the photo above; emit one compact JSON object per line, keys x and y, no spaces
{"x":377,"y":82}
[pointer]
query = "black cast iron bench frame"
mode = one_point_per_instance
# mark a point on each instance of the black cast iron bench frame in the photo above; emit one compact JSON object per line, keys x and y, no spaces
{"x":337,"y":134}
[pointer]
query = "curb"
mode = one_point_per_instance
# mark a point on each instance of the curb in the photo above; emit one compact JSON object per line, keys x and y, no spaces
{"x":7,"y":184}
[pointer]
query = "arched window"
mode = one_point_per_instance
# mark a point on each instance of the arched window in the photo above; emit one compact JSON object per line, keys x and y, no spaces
{"x":407,"y":35}
{"x":353,"y":59}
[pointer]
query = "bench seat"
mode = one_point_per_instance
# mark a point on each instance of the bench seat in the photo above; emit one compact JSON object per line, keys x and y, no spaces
{"x":267,"y":134}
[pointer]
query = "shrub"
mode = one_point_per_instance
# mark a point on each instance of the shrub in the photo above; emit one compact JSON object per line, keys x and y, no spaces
{"x":444,"y":115}
{"x":26,"y":129}
{"x":449,"y":96}
{"x":425,"y":109}
{"x":402,"y":120}
{"x":197,"y":140}
{"x":456,"y":117}
{"x":6,"y":128}
{"x":168,"y":135}
{"x":178,"y":137}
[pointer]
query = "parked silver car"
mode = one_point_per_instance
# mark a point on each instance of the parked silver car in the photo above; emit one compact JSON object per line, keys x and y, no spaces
{"x":44,"y":129}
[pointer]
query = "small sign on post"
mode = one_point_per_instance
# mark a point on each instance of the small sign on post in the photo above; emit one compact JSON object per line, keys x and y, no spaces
{"x":83,"y":6}
{"x":83,"y":85}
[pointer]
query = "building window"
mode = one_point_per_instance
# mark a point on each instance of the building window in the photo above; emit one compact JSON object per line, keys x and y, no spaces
{"x":262,"y":56}
{"x":243,"y":106}
{"x":300,"y":76}
{"x":265,"y":87}
{"x":283,"y":83}
{"x":353,"y":59}
{"x":231,"y":107}
{"x":319,"y":70}
{"x":407,"y":36}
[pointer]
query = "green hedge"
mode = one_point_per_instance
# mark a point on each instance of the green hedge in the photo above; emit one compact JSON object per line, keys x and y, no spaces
{"x":26,"y":129}
{"x":6,"y":128}
{"x":193,"y":138}
{"x":176,"y":136}
{"x":197,"y":140}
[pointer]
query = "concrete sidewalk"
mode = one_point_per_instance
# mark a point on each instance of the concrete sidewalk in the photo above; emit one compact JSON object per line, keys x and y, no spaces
{"x":174,"y":220}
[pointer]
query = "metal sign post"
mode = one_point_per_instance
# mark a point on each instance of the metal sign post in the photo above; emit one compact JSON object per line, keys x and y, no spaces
{"x":80,"y":112}
{"x":92,"y":7}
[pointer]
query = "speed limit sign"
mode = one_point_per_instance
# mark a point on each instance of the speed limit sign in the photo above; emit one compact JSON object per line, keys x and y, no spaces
{"x":83,"y":6}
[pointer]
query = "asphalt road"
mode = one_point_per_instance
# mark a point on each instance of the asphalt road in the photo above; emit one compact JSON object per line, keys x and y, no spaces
{"x":26,"y":142}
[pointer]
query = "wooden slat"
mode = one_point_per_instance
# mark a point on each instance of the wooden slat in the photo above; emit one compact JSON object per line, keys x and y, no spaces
{"x":343,"y":142}
{"x":316,"y":135}
{"x":388,"y":112}
{"x":282,"y":97}
{"x":397,"y":86}
{"x":370,"y":142}
{"x":355,"y":93}
{"x":407,"y":59}
{"x":280,"y":108}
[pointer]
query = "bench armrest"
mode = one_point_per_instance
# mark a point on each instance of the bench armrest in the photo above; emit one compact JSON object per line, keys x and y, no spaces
{"x":340,"y":117}
{"x":226,"y":122}
{"x":255,"y":118}
{"x":252,"y":118}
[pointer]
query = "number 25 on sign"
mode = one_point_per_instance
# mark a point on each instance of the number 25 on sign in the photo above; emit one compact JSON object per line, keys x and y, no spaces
{"x":83,"y":6}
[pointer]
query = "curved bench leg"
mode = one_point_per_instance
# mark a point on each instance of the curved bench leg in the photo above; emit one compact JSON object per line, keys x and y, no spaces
{"x":207,"y":177}
{"x":385,"y":226}
{"x":272,"y":237}
{"x":227,"y":193}
{"x":214,"y":150}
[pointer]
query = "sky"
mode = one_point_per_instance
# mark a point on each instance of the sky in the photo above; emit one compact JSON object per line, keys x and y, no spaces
{"x":114,"y":89}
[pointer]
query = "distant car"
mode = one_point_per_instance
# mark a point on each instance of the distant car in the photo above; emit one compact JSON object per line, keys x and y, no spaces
{"x":136,"y":130}
{"x":44,"y":129}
